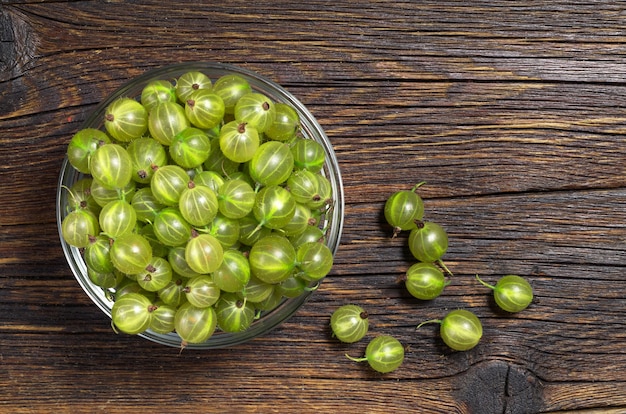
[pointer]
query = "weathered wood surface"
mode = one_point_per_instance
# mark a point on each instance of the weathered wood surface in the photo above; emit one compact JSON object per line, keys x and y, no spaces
{"x":514,"y":115}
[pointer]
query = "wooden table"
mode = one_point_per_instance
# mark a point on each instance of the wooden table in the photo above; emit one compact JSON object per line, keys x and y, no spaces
{"x":512,"y":112}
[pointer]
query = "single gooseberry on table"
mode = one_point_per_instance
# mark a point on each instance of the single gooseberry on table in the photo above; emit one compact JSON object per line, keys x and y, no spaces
{"x":460,"y":329}
{"x":512,"y":293}
{"x":384,"y":354}
{"x":349,"y":323}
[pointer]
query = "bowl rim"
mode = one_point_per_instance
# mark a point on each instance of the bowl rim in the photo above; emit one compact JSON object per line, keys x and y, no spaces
{"x":310,"y":129}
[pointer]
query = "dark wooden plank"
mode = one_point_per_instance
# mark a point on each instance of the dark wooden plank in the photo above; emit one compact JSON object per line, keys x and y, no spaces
{"x":513,"y":115}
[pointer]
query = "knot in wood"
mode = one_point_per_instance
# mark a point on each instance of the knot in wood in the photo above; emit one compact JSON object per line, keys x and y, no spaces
{"x":17,"y":44}
{"x":497,"y":387}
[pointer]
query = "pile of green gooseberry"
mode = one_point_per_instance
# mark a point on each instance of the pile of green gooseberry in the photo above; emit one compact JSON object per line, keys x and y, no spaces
{"x":460,"y":329}
{"x":202,"y":206}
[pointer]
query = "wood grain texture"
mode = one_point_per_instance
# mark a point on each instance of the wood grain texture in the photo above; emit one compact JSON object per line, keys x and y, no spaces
{"x":513,"y":115}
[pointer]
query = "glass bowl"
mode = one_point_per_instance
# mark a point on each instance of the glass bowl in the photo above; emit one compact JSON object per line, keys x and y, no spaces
{"x":310,"y":128}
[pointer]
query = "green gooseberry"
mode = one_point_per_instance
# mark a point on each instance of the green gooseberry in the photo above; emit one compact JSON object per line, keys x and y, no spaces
{"x":310,"y":234}
{"x":198,"y":204}
{"x":130,"y":253}
{"x":176,"y":257}
{"x":146,"y":155}
{"x":304,"y":187}
{"x":190,"y":147}
{"x":271,"y":164}
{"x":80,"y":196}
{"x":274,"y":207}
{"x":168,"y":183}
{"x":157,"y":91}
{"x":126,"y":119}
{"x":82,"y":145}
{"x":239,"y":141}
{"x":96,"y":254}
{"x":211,"y":179}
{"x":512,"y":293}
{"x":201,"y":291}
{"x":156,"y":276}
{"x":131,"y":313}
{"x":204,"y":109}
{"x":236,"y":198}
{"x":146,"y":205}
{"x":218,"y":162}
{"x":460,"y":329}
{"x":103,"y":195}
{"x":158,"y":248}
{"x":250,"y":230}
{"x":271,"y":302}
{"x":257,"y":110}
{"x":117,"y":217}
{"x":403,"y":208}
{"x":314,"y":260}
{"x":190,"y":82}
{"x":173,"y":293}
{"x":194,"y":325}
{"x":324,"y":196}
{"x":294,"y":286}
{"x":428,"y":242}
{"x":300,"y":221}
{"x":234,"y":272}
{"x":233,"y":313}
{"x":126,"y":285}
{"x":162,"y":321}
{"x":384,"y":354}
{"x":78,"y":227}
{"x":256,"y":290}
{"x":167,"y":120}
{"x":243,"y":175}
{"x":425,"y":281}
{"x":226,"y":230}
{"x":308,"y":155}
{"x":171,"y":228}
{"x":349,"y":323}
{"x":272,"y":259}
{"x":204,"y":253}
{"x":286,"y":123}
{"x":111,"y":166}
{"x":230,"y":88}
{"x":105,"y":280}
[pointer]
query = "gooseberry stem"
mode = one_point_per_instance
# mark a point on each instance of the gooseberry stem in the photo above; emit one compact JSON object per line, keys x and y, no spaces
{"x":204,"y":230}
{"x":396,"y":231}
{"x":485,"y":283}
{"x":429,"y":321}
{"x":76,"y":203}
{"x":356,"y":359}
{"x":312,"y":288}
{"x":256,"y":229}
{"x":418,"y":185}
{"x":443,"y":265}
{"x":330,"y":207}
